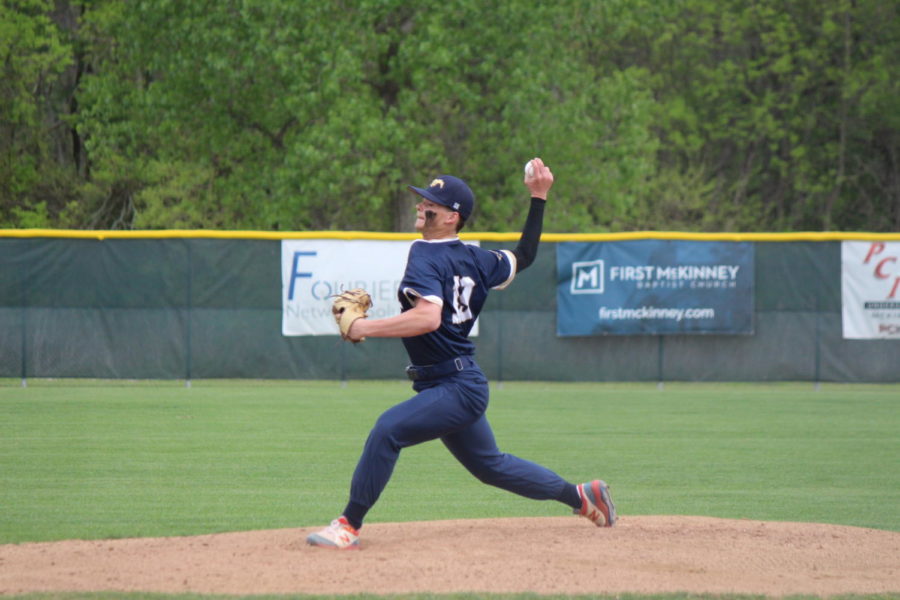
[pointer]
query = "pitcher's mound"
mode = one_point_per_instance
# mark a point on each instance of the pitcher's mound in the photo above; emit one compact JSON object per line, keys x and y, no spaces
{"x":560,"y":555}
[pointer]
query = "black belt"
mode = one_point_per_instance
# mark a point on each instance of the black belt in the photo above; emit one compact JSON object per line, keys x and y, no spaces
{"x":441,"y":369}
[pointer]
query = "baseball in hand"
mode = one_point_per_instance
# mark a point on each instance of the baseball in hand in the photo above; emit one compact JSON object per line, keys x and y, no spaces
{"x":529,"y":169}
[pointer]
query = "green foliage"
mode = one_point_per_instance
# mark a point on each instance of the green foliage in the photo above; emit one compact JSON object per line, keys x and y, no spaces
{"x":288,"y":114}
{"x":33,"y":217}
{"x":681,"y":200}
{"x":761,"y":97}
{"x":32,"y":53}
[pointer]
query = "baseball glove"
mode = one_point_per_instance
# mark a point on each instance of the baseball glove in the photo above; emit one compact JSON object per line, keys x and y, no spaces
{"x":348,"y":307}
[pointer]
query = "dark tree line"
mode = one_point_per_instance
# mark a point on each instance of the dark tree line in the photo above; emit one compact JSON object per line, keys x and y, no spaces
{"x":703,"y":115}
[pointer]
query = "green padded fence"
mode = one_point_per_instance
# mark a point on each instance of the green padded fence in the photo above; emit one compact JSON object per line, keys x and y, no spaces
{"x":194,"y":305}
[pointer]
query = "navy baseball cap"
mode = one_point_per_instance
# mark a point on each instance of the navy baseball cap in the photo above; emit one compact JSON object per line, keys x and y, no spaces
{"x":451,"y":192}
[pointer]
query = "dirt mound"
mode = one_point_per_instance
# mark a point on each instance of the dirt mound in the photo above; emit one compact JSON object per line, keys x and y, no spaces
{"x":560,"y":555}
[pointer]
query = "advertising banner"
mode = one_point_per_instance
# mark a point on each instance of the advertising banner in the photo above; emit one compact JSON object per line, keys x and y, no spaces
{"x":654,"y":287}
{"x":870,"y":290}
{"x":312,"y":271}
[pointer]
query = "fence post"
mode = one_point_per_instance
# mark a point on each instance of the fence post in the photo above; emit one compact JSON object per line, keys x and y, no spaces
{"x":24,"y":344}
{"x":189,"y":315}
{"x":343,"y":363}
{"x":23,"y":300}
{"x":660,"y":356}
{"x":501,"y":318}
{"x":817,"y":368}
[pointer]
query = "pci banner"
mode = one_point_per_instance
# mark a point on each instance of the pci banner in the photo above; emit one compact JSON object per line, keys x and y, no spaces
{"x":654,"y":287}
{"x":313,"y":271}
{"x":870,"y":290}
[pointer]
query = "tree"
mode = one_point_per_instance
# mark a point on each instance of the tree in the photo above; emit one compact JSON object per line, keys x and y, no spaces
{"x":33,"y":55}
{"x":295,"y":114}
{"x":256,"y":115}
{"x":761,"y":108}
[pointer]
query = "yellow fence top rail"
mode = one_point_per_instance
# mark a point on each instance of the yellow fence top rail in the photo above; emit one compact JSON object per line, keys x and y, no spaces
{"x":809,"y":236}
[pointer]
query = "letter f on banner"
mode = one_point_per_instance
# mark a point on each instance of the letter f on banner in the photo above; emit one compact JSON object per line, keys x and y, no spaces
{"x":295,"y":274}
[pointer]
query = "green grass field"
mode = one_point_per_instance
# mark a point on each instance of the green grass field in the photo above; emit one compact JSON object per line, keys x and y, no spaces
{"x":91,"y":459}
{"x":124,"y":459}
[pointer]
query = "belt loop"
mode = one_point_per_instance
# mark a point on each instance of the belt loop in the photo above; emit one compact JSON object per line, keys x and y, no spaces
{"x":458,"y":362}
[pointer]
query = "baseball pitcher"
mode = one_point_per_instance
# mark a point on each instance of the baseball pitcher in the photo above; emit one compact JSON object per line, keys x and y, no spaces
{"x":443,"y":289}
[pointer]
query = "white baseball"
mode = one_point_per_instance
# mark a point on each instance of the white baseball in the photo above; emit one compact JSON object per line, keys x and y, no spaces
{"x":529,"y":169}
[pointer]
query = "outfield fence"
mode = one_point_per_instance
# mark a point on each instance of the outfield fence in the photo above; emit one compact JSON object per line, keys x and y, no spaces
{"x":196,"y":305}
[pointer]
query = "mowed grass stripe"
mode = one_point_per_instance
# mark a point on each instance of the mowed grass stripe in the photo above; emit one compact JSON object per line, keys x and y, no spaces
{"x":98,"y":459}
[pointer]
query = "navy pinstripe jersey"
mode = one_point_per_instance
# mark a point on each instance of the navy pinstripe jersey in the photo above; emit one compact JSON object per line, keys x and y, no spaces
{"x":457,"y":277}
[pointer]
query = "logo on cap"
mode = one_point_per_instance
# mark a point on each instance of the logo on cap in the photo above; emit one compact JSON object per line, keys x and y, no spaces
{"x":437,"y":183}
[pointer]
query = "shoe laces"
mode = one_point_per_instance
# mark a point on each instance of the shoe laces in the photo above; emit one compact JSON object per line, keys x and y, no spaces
{"x":341,"y":524}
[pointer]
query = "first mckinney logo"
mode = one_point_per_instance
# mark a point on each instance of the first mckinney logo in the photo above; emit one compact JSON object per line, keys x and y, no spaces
{"x":587,"y":277}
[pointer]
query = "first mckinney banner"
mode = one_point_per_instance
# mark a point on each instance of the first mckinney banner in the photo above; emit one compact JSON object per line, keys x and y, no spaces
{"x":654,"y":287}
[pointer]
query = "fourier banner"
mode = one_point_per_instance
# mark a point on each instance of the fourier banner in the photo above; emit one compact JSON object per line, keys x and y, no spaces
{"x":313,"y":271}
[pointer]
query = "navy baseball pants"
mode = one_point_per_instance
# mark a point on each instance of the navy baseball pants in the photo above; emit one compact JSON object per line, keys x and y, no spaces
{"x":452,"y":409}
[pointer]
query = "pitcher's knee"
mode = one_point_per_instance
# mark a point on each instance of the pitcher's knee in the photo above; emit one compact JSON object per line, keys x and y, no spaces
{"x":393,"y":433}
{"x":382,"y":434}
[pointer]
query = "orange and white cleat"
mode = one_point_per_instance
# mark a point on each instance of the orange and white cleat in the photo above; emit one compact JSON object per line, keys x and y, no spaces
{"x":596,"y":503}
{"x":340,"y":535}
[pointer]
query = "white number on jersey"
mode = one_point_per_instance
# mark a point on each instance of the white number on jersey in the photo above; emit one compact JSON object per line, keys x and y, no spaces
{"x":462,"y":295}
